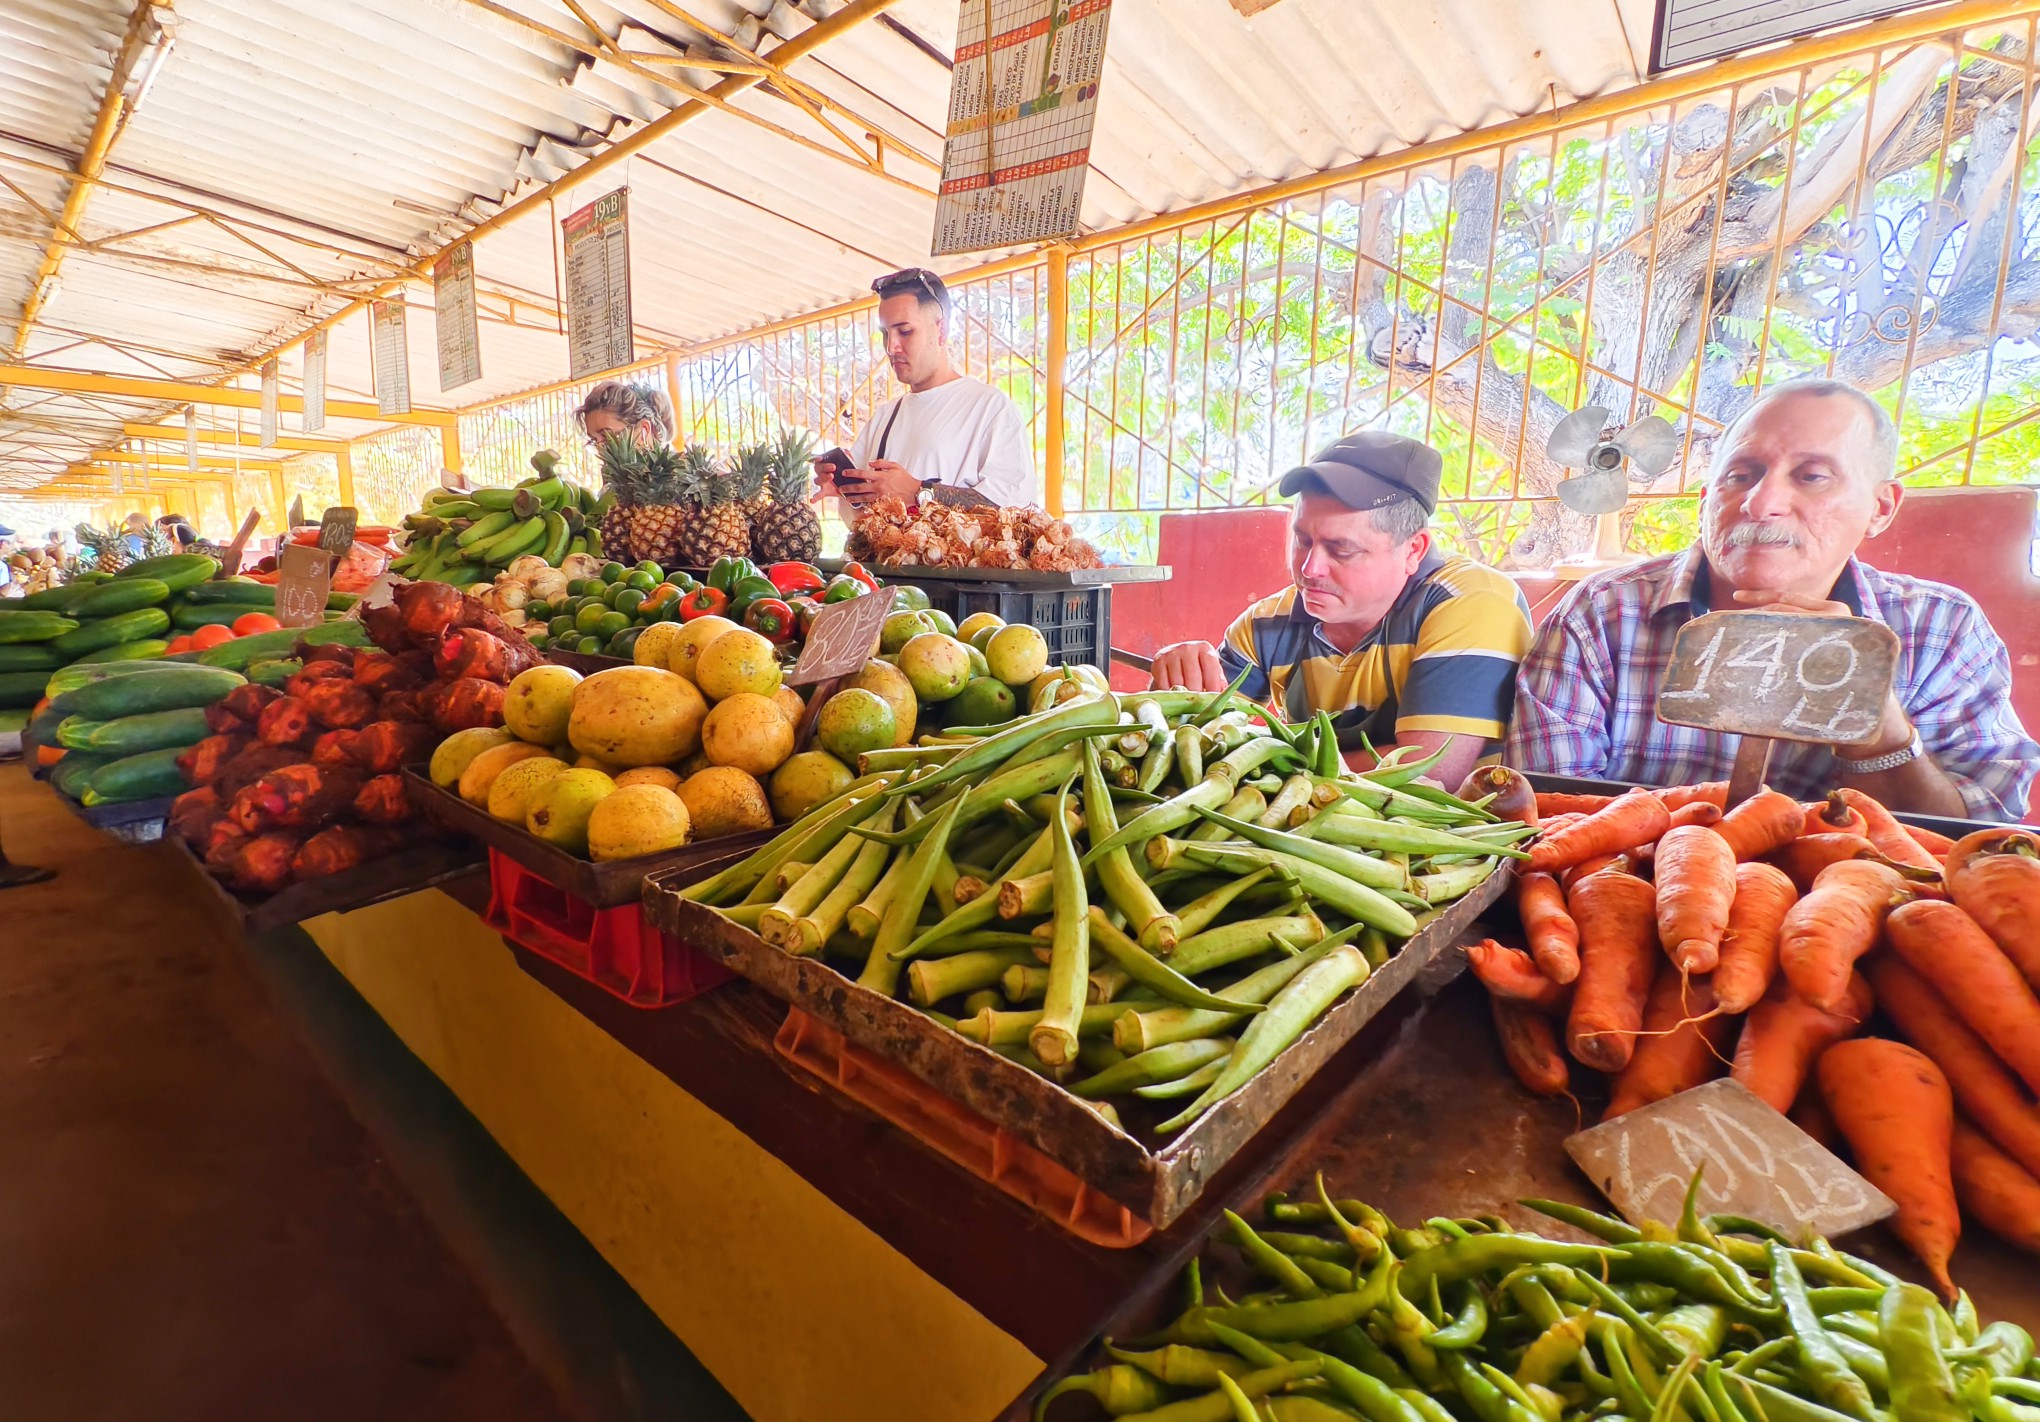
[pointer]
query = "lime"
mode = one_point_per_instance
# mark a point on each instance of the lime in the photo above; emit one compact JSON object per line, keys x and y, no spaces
{"x":629,"y":600}
{"x":624,"y":643}
{"x":538,"y":640}
{"x":589,"y":646}
{"x":854,"y":721}
{"x":943,"y":622}
{"x":658,"y":573}
{"x":641,"y":580}
{"x":589,"y":617}
{"x":562,"y":626}
{"x":609,"y":624}
{"x":612,"y":572}
{"x":978,"y":665}
{"x":578,"y":587}
{"x":538,"y":611}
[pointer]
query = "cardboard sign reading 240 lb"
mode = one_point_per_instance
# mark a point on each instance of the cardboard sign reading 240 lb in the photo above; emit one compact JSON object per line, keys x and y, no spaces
{"x":1778,"y":676}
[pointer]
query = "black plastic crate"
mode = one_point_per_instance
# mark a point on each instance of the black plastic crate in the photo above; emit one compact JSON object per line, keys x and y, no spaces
{"x":1077,"y":622}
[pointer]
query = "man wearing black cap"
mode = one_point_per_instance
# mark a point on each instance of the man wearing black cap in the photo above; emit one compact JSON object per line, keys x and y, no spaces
{"x":1404,"y":644}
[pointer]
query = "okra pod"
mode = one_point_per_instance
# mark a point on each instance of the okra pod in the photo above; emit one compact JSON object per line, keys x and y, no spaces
{"x":741,"y":876}
{"x":978,"y":759}
{"x":1389,"y":836}
{"x":1352,"y":899}
{"x":882,"y":970}
{"x":1001,"y":1029}
{"x":1162,"y":1065}
{"x":1246,"y":938}
{"x":804,"y":894}
{"x":1200,"y":913}
{"x":1151,"y":972}
{"x":1022,"y":982}
{"x":1294,"y":793}
{"x":1189,"y":1085}
{"x":811,"y":930}
{"x":1189,"y":748}
{"x":1107,"y":982}
{"x":1209,"y":793}
{"x":1453,"y":883}
{"x":986,"y":797}
{"x":984,"y":909}
{"x":1360,"y":868}
{"x":1054,"y":1037}
{"x":983,"y":1000}
{"x":929,"y":980}
{"x":1138,"y":1029}
{"x":1246,"y":804}
{"x":1155,"y":927}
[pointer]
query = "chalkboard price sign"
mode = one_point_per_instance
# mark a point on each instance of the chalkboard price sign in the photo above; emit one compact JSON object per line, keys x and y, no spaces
{"x":336,"y":529}
{"x":304,"y":577}
{"x":843,"y":638}
{"x":1782,"y":675}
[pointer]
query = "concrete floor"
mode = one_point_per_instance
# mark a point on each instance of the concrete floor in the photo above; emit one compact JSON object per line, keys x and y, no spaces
{"x":192,"y":1226}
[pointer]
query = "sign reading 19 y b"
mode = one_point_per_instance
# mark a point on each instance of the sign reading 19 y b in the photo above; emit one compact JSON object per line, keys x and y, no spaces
{"x":1778,"y":676}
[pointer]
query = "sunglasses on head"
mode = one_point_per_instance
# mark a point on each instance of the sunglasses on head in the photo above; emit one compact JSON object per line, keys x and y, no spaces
{"x":910,"y":277}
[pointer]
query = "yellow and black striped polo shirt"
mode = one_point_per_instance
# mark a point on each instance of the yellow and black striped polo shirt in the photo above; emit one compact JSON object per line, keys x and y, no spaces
{"x":1443,"y":659}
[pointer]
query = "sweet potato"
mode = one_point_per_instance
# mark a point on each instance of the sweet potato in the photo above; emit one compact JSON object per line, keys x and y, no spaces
{"x":1749,"y":949}
{"x":1617,"y":919}
{"x":1994,"y":1189}
{"x":1695,"y":869}
{"x":1828,"y":930}
{"x":1994,"y":875}
{"x":1893,"y":1106}
{"x":1783,"y":1036}
{"x":1944,"y":945}
{"x":1680,"y":1046}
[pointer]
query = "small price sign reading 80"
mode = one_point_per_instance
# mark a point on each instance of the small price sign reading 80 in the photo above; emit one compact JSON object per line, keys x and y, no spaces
{"x":1780,"y":675}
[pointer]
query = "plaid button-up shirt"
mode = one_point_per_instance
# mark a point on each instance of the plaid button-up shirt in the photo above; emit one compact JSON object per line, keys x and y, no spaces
{"x":1586,"y":699}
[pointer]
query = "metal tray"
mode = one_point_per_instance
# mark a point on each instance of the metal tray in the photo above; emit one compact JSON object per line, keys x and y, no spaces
{"x":137,"y":822}
{"x":1012,"y":577}
{"x":1156,"y":1178}
{"x":605,"y":885}
{"x":421,"y":865}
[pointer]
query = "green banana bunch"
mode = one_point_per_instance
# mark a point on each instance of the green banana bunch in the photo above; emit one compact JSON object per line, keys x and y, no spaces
{"x":463,"y":537}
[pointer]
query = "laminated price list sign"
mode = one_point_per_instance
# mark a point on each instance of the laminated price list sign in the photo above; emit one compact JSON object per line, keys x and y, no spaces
{"x":389,"y":344}
{"x":1022,"y":101}
{"x":453,"y":316}
{"x":597,"y":242}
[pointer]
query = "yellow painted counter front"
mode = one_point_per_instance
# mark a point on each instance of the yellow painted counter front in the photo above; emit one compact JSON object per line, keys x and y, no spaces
{"x":799,"y":1310}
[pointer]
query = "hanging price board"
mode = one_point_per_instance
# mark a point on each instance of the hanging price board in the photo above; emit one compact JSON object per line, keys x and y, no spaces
{"x":1769,"y":676}
{"x":1023,"y":97}
{"x":314,"y":416}
{"x":454,"y":322}
{"x":390,"y":345}
{"x":191,"y":439}
{"x":597,"y":242}
{"x":304,"y":577}
{"x":267,"y":437}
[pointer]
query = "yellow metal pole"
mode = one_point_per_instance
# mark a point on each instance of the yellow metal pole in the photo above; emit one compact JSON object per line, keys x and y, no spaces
{"x":282,"y":503}
{"x":449,"y":447}
{"x":343,"y":460}
{"x":233,"y":506}
{"x":673,"y":392}
{"x":1053,"y":359}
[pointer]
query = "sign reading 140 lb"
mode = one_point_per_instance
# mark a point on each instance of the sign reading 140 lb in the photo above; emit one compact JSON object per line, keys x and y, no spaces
{"x":1781,"y":675}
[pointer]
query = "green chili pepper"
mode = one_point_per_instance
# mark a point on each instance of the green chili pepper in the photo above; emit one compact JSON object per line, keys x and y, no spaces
{"x":1120,"y":1389}
{"x":1613,"y":1338}
{"x":1760,"y":1399}
{"x":1272,"y":1261}
{"x":1553,"y":1352}
{"x":1180,"y":1365}
{"x":2004,"y":1350}
{"x":1587,"y":1221}
{"x":1828,"y":1374}
{"x":1487,"y":1402}
{"x":1922,"y":1386}
{"x":1469,"y":1324}
{"x":1469,"y":1258}
{"x":1697,"y":1328}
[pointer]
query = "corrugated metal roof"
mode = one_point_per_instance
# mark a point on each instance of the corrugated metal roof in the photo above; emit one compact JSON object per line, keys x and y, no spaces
{"x":338,"y":141}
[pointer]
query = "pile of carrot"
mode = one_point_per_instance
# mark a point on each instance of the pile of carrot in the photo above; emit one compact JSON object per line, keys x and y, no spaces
{"x":1885,"y":980}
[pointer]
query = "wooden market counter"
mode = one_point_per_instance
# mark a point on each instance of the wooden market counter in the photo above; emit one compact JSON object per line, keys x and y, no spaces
{"x":813,"y":1262}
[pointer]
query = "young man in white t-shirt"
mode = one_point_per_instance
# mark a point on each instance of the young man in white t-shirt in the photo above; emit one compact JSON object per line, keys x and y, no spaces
{"x":947,"y":428}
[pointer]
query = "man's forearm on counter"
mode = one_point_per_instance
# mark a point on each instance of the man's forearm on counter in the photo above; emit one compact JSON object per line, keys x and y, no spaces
{"x":1919,"y":787}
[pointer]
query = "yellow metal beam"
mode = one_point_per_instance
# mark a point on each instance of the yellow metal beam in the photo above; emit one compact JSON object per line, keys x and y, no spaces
{"x":246,"y":439}
{"x":802,"y":44}
{"x":449,"y":446}
{"x":555,"y":386}
{"x":106,"y":126}
{"x":1053,"y":358}
{"x":343,"y":461}
{"x":177,"y":392}
{"x":171,"y":468}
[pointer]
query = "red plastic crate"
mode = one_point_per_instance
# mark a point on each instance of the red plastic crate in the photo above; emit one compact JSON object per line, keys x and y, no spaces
{"x":957,"y":1133}
{"x":613,"y":948}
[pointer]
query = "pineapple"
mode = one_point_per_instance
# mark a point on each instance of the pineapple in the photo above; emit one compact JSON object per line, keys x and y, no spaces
{"x":660,"y":519}
{"x":787,"y":529}
{"x":623,"y":476}
{"x":719,"y":526}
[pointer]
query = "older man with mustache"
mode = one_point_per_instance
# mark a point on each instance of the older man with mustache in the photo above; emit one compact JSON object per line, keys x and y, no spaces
{"x":1403,"y":643}
{"x":1798,"y":482}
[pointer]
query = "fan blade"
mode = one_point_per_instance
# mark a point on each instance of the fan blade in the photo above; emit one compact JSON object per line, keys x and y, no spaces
{"x":1651,"y":444}
{"x":1574,"y":435}
{"x":1601,"y":492}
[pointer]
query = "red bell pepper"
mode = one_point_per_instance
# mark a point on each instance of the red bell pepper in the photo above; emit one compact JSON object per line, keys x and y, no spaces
{"x":771,"y":619}
{"x":863,"y":575}
{"x":805,"y":610}
{"x":794,"y":578}
{"x":704,"y":601}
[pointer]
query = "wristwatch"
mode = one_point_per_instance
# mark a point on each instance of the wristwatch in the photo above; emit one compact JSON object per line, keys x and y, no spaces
{"x":1911,"y":751}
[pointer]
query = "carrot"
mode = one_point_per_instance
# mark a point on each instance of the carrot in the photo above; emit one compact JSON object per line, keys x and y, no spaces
{"x":1834,"y":815}
{"x":1617,"y":919}
{"x":1700,"y":812}
{"x":1714,"y":792}
{"x":1804,"y":858}
{"x":1995,"y":1190}
{"x":1637,"y":818}
{"x":1995,"y":877}
{"x":1510,"y":973}
{"x":1513,"y":797}
{"x":1620,"y":863}
{"x":1559,"y":802}
{"x":1749,"y":949}
{"x":1766,"y":821}
{"x":1782,"y":1037}
{"x":1530,"y":1043}
{"x":1680,"y":1046}
{"x":1810,"y":1114}
{"x":1695,"y":884}
{"x":1554,"y":938}
{"x":1828,"y":930}
{"x":1893,"y":1107}
{"x":1886,"y":832}
{"x":1943,"y":945}
{"x":1937,"y":845}
{"x":1983,"y":1087}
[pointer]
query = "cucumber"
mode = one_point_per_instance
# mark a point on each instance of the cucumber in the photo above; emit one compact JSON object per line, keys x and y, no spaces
{"x":244,"y":652}
{"x":23,"y":688}
{"x":178,"y":570}
{"x":112,"y":631}
{"x":28,"y":656}
{"x":131,"y":735}
{"x":275,"y":671}
{"x":135,"y":777}
{"x":250,"y":596}
{"x":141,"y":650}
{"x":70,"y":775}
{"x":13,"y":719}
{"x":188,"y":616}
{"x":166,"y":690}
{"x":79,"y":673}
{"x":41,"y":730}
{"x":121,"y":595}
{"x":34,"y":626}
{"x":49,"y":599}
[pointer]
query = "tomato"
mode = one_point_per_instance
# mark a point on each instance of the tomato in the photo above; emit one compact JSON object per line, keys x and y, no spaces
{"x":178,"y":644}
{"x":209,"y":636}
{"x":256,"y":622}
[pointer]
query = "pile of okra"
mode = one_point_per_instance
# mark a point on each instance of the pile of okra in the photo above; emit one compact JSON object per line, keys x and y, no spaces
{"x":1148,"y":898}
{"x":1720,"y":1320}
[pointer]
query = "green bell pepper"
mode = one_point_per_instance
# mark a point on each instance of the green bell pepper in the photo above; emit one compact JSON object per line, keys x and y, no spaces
{"x":842,"y":588}
{"x":728,"y":572}
{"x":747,"y":590}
